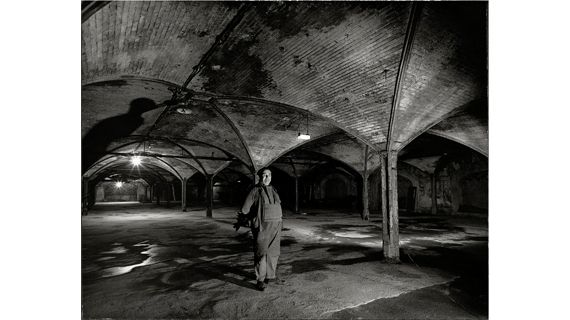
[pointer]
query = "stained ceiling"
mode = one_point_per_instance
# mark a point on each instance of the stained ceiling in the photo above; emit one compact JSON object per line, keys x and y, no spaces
{"x":204,"y":86}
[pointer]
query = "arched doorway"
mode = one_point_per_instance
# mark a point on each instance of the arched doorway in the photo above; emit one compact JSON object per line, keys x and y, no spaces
{"x":407,"y":193}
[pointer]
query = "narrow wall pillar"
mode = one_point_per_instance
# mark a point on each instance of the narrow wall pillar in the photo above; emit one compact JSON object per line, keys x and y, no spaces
{"x":173,"y":192}
{"x":209,"y":194}
{"x":157,"y":193}
{"x":365,"y":210}
{"x":433,"y":194}
{"x":183,"y":194}
{"x":390,"y":228}
{"x":167,"y":195}
{"x":85,"y":196}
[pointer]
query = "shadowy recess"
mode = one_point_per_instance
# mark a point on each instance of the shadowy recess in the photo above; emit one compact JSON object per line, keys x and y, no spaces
{"x":287,"y":241}
{"x":110,"y":83}
{"x":468,"y":262}
{"x":183,"y":277}
{"x":427,"y":226}
{"x":96,"y":141}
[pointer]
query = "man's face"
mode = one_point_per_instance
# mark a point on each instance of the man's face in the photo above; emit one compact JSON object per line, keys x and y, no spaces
{"x":266,"y":177}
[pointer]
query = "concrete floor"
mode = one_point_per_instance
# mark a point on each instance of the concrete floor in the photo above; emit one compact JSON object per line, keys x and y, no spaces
{"x":143,"y":261}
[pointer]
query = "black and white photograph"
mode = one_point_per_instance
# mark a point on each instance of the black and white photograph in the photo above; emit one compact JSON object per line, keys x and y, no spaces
{"x":284,"y":160}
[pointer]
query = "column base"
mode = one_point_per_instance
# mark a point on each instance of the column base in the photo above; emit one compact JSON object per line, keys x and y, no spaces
{"x":391,"y":260}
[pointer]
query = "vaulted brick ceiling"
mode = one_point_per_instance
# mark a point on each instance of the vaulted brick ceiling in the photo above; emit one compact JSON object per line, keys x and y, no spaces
{"x":379,"y":73}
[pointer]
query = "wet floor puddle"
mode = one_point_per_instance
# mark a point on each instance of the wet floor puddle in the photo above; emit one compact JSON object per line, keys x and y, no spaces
{"x":148,"y":249}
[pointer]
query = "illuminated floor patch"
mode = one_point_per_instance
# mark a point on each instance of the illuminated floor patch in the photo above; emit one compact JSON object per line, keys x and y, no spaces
{"x":116,"y":250}
{"x":105,"y":258}
{"x":117,"y":271}
{"x":352,"y":234}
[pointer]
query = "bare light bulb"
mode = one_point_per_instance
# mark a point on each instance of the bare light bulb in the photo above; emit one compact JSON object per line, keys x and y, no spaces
{"x":136,"y":160}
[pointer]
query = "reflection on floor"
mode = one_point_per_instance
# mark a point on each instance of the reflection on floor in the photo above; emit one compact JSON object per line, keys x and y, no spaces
{"x":145,"y":261}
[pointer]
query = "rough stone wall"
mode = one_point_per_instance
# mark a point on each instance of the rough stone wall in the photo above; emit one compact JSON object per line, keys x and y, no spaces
{"x":128,"y":192}
{"x":141,"y":192}
{"x":335,"y":187}
{"x":475,"y":188}
{"x":449,"y":195}
{"x":462,"y":184}
{"x":100,"y":194}
{"x":422,"y":181}
{"x":374,"y":189}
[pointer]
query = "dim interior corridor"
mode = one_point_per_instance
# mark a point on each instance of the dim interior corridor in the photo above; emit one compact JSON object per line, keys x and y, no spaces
{"x":146,"y":261}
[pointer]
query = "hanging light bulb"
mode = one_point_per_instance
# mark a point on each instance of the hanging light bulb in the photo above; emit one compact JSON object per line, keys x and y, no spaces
{"x":136,"y":160}
{"x":303,"y":136}
{"x":118,"y":184}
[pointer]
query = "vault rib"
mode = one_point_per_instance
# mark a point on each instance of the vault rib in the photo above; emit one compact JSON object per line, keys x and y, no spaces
{"x":408,"y":41}
{"x":213,"y":102}
{"x":91,"y":8}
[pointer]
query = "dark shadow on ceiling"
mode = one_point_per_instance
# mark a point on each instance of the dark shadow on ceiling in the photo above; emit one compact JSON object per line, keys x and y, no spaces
{"x":96,"y":141}
{"x":428,"y":145}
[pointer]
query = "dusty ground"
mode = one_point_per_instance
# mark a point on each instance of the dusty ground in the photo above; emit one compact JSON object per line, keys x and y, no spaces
{"x":148,"y":262}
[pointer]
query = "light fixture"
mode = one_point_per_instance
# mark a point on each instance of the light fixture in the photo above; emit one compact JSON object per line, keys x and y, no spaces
{"x":136,"y":160}
{"x":118,"y":184}
{"x":304,"y":136}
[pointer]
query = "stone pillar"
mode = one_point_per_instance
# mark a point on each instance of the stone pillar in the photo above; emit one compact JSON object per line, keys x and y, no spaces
{"x":157,"y":193}
{"x":297,"y":210}
{"x":365,"y":210}
{"x":173,"y":192}
{"x":167,"y":195}
{"x":433,"y":194}
{"x":183,"y":194}
{"x":209,"y":194}
{"x":85,"y":196}
{"x":390,"y":232}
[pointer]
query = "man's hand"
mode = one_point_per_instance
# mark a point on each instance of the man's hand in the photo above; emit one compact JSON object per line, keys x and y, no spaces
{"x":242,"y":220}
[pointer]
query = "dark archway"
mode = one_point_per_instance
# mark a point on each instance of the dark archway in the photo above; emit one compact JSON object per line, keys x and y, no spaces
{"x":331,"y":185}
{"x":231,"y":187}
{"x":407,"y":193}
